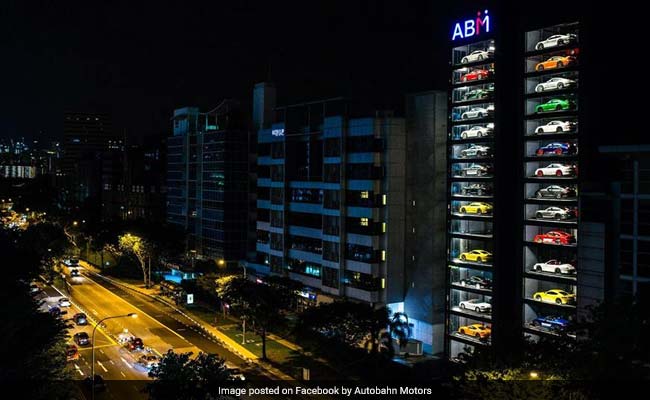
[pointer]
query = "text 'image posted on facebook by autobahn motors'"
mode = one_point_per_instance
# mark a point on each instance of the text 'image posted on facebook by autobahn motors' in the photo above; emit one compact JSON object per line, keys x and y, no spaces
{"x":344,"y":391}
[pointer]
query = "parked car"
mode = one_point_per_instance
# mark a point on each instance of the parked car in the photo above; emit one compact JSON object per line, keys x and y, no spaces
{"x":476,"y":208}
{"x":475,"y":170}
{"x":555,"y":266}
{"x":555,"y":237}
{"x":551,"y":323}
{"x":555,"y":62}
{"x":556,"y":169}
{"x":475,"y":94}
{"x":476,"y":132}
{"x":556,"y":83}
{"x":55,"y":311}
{"x":64,"y":302}
{"x":476,"y":256}
{"x":476,"y":305}
{"x":477,"y":74}
{"x":478,"y":331}
{"x":477,"y":281}
{"x":474,"y":112}
{"x":71,"y":352}
{"x":556,"y":192}
{"x":557,"y":296}
{"x":555,"y":105}
{"x":556,"y":40}
{"x":236,"y":374}
{"x":80,"y":319}
{"x":556,"y":127}
{"x":476,"y":189}
{"x":475,"y":151}
{"x":556,"y":213}
{"x":557,"y":148}
{"x":476,"y":55}
{"x":81,"y":339}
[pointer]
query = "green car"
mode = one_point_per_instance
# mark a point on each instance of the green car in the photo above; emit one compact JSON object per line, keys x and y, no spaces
{"x":555,"y":105}
{"x":476,"y":94}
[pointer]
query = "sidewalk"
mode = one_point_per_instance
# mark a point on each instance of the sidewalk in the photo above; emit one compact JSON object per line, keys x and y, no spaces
{"x":222,"y":337}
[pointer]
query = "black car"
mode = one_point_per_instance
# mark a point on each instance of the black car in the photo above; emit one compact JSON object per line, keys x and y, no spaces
{"x":74,"y":272}
{"x":135,"y":344}
{"x":556,"y":192}
{"x":80,"y":319}
{"x":476,"y":189}
{"x":477,"y":281}
{"x":81,"y":339}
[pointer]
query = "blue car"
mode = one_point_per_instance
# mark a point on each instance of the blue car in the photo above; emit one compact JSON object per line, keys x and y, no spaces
{"x":551,"y":323}
{"x":556,"y":149}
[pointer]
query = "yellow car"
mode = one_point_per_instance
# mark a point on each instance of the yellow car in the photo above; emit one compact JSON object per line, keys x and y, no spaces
{"x":476,"y":256}
{"x":479,"y":331}
{"x":476,"y":208}
{"x":557,"y":296}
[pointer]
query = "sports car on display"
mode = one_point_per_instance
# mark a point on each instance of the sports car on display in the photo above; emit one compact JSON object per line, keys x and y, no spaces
{"x":555,"y":62}
{"x":478,"y":331}
{"x":476,"y":55}
{"x":475,"y":112}
{"x":555,"y":237}
{"x":476,"y":132}
{"x":551,"y":323}
{"x":476,"y":256}
{"x":555,"y":105}
{"x":475,"y":94}
{"x":475,"y":75}
{"x":475,"y":170}
{"x":555,"y":266}
{"x":477,"y":282}
{"x":556,"y":127}
{"x":476,"y":305}
{"x":556,"y":170}
{"x":475,"y":151}
{"x":555,"y":213}
{"x":557,"y":83}
{"x":557,"y":296}
{"x":557,"y":148}
{"x":556,"y":40}
{"x":476,"y":208}
{"x":476,"y":189}
{"x":556,"y":192}
{"x":490,"y":109}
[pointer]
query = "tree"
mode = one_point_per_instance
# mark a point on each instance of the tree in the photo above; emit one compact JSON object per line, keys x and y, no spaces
{"x":141,"y":249}
{"x":178,"y":376}
{"x":259,"y":303}
{"x":45,"y":241}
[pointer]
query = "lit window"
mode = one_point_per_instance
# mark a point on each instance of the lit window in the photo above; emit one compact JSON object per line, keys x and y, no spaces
{"x":364,"y":221}
{"x":383,"y":255}
{"x":364,"y":194}
{"x":383,"y":227}
{"x":383,"y":200}
{"x":383,"y":283}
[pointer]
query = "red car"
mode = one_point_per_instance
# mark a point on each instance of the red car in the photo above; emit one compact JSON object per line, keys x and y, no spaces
{"x":555,"y":237}
{"x":477,"y":74}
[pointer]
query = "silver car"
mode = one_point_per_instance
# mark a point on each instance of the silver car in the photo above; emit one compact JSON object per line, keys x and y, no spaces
{"x":476,"y":112}
{"x":476,"y":132}
{"x":475,"y":170}
{"x":556,"y":40}
{"x":477,"y":55}
{"x":555,"y":213}
{"x":557,"y":83}
{"x":475,"y":151}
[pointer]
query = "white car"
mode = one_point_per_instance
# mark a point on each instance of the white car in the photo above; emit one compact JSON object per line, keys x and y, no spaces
{"x":557,"y":83}
{"x":490,"y":109}
{"x":554,"y":266}
{"x":556,"y":127}
{"x":556,"y":40}
{"x":476,"y":132}
{"x":476,"y":112}
{"x":555,"y":213}
{"x":475,"y":170}
{"x":476,"y":305}
{"x":556,"y":170}
{"x":63,"y":302}
{"x":477,"y":55}
{"x":475,"y":150}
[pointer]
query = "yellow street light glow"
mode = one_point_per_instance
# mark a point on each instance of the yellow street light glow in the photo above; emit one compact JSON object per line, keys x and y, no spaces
{"x":74,"y":223}
{"x":221,"y":262}
{"x":534,"y":375}
{"x":133,"y":315}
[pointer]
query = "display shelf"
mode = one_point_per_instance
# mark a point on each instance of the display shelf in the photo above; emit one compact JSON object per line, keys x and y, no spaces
{"x":473,"y":236}
{"x":471,"y":289}
{"x":548,"y":93}
{"x":551,"y":277}
{"x":469,"y":264}
{"x":571,"y":68}
{"x":468,"y":339}
{"x":552,"y":201}
{"x":482,"y":317}
{"x":550,"y":305}
{"x":565,"y":246}
{"x":552,"y":223}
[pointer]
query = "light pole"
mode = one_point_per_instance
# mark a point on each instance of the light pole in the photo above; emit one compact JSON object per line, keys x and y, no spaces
{"x":244,"y":267}
{"x":92,"y":367}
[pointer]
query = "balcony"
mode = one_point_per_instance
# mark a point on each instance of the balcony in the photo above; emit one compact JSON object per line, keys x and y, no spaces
{"x":363,"y":295}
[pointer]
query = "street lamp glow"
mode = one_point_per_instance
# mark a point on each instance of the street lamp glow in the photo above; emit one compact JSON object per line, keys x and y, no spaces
{"x":221,"y":262}
{"x":133,"y":315}
{"x":534,"y":375}
{"x":75,"y":223}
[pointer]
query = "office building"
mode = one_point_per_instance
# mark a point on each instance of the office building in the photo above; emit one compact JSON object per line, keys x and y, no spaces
{"x":207,"y":180}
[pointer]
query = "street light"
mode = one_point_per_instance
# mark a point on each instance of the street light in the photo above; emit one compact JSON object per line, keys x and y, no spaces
{"x":534,"y":375}
{"x":92,"y":368}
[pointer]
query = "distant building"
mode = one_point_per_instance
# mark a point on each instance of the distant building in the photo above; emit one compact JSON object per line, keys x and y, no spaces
{"x":207,"y":180}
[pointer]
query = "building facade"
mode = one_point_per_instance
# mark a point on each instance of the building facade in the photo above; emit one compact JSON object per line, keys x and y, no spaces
{"x":207,"y":180}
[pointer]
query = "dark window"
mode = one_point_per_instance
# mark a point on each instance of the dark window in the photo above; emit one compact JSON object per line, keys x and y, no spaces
{"x":306,"y":244}
{"x":644,"y":218}
{"x":263,"y":149}
{"x":262,"y":258}
{"x":314,"y":196}
{"x":277,"y":173}
{"x":331,"y":225}
{"x":332,"y":147}
{"x":363,"y":144}
{"x":364,"y":171}
{"x":263,"y":237}
{"x":263,"y":171}
{"x":360,"y":253}
{"x":332,"y":173}
{"x":276,"y":264}
{"x":626,"y":257}
{"x":263,"y":215}
{"x":362,"y":226}
{"x":277,"y":196}
{"x":330,"y":277}
{"x":277,"y":219}
{"x":361,"y":281}
{"x":332,"y":199}
{"x":330,"y":251}
{"x":643,"y":258}
{"x":276,"y":241}
{"x":305,"y":219}
{"x":277,"y":150}
{"x":263,"y":193}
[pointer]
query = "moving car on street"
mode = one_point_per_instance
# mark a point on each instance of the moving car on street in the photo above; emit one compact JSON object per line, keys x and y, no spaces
{"x":81,"y":339}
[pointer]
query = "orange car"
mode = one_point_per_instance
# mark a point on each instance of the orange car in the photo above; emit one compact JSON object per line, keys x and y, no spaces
{"x":479,"y":331}
{"x":555,"y":62}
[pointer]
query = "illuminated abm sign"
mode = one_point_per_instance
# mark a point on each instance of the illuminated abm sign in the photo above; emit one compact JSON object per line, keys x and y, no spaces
{"x":472,"y":27}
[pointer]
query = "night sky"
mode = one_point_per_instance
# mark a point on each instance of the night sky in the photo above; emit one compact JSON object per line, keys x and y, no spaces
{"x":140,"y":60}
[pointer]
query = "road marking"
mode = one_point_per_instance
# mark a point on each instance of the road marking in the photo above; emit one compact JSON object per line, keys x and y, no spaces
{"x":94,"y":311}
{"x":102,"y":351}
{"x":112,"y":362}
{"x":126,"y":362}
{"x":122,"y":374}
{"x":102,"y":365}
{"x":180,"y":329}
{"x":79,"y":370}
